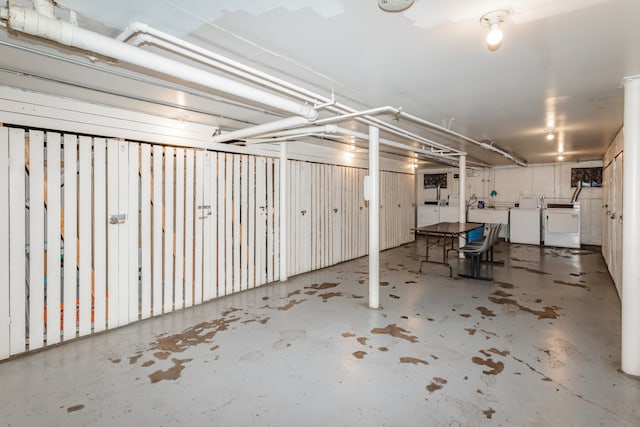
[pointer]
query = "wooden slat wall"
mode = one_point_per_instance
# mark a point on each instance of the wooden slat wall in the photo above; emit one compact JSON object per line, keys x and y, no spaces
{"x":196,"y":225}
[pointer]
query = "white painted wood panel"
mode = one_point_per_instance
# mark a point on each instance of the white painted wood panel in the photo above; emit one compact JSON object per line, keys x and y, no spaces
{"x":112,"y":234}
{"x":146,"y":225}
{"x":36,"y":239}
{"x":99,"y":234}
{"x":270,"y":216}
{"x":156,"y":234}
{"x":213,"y":223}
{"x":200,"y":218}
{"x":276,"y":219}
{"x":251,"y":225}
{"x":237,"y":239}
{"x":123,"y":228}
{"x":189,"y":216}
{"x":206,"y":213}
{"x":54,"y":208}
{"x":228,"y":191}
{"x":261,"y":218}
{"x":169,"y":165}
{"x":70,"y":236}
{"x":85,"y":236}
{"x":244,"y":222}
{"x":133,"y":214}
{"x":5,"y":314}
{"x":179,"y":230}
{"x":220,"y":220}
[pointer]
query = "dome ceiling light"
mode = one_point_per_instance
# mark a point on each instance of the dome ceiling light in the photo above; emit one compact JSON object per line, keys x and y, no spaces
{"x":493,"y":20}
{"x":395,"y":5}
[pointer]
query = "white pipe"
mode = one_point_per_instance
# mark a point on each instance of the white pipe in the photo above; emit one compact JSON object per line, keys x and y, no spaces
{"x":196,"y":52}
{"x":334,"y":129}
{"x":30,"y":22}
{"x":462,"y":213}
{"x":260,"y":129}
{"x":283,"y":211}
{"x":630,"y":243}
{"x":374,"y":217}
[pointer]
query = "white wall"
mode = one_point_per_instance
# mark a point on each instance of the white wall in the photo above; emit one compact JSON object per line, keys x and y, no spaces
{"x":510,"y":182}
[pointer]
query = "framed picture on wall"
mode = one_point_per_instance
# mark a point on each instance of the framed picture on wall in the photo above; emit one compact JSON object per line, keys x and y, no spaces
{"x":586,"y":177}
{"x":435,"y":180}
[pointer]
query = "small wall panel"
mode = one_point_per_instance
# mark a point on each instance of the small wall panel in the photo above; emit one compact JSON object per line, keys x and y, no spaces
{"x":156,"y":234}
{"x":70,"y":236}
{"x":200,"y":217}
{"x":189,"y":226}
{"x":35,"y":246}
{"x":85,"y":237}
{"x":146,"y":224}
{"x":178,"y":298}
{"x":53,"y":255}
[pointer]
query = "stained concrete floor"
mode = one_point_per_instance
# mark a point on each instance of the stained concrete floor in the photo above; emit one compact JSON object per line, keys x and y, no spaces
{"x":537,"y":347}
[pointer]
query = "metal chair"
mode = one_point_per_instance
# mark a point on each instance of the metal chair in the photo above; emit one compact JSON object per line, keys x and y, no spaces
{"x":476,"y":251}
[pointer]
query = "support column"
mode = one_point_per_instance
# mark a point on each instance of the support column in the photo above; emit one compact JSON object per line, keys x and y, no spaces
{"x":463,"y":199}
{"x":374,"y":217}
{"x":631,"y":218}
{"x":284,"y":178}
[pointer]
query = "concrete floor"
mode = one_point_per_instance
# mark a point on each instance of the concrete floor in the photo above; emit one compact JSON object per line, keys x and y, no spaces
{"x":537,"y":347}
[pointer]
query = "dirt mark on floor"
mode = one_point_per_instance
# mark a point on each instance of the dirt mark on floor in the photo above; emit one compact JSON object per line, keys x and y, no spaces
{"x":547,"y":313}
{"x":171,"y":374}
{"x":322,"y":286}
{"x":577,"y":285}
{"x":436,"y":384}
{"x":75,"y":408}
{"x":496,"y":366}
{"x":328,"y":295}
{"x":359,"y":354}
{"x":395,"y":331}
{"x":413,"y":361}
{"x":485,"y":311}
{"x":489,"y":413}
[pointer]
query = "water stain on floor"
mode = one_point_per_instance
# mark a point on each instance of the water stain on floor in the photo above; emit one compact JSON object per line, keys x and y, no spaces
{"x":322,"y":286}
{"x":328,"y":295}
{"x":198,"y":334}
{"x":577,"y":285}
{"x":548,"y":313}
{"x":395,"y":331}
{"x":505,"y":285}
{"x":485,"y":311}
{"x":436,"y":384}
{"x":171,"y":374}
{"x":496,"y":366}
{"x":530,"y":270}
{"x":413,"y":361}
{"x":359,"y":354}
{"x":500,"y":293}
{"x":75,"y":408}
{"x":288,"y":305}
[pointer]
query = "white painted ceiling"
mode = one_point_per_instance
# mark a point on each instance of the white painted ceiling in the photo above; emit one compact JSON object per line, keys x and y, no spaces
{"x":560,"y":60}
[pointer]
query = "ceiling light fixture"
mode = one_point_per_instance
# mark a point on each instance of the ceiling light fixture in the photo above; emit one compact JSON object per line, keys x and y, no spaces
{"x":492,"y":20}
{"x":395,"y":5}
{"x":550,"y":135}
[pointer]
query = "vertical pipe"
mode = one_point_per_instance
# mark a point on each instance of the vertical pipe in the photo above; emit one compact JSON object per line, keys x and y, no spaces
{"x":374,"y":217}
{"x":463,"y":199}
{"x":283,"y":212}
{"x":631,"y":215}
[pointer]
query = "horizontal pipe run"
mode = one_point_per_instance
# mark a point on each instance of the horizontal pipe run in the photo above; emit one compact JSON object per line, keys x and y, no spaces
{"x":251,"y":74}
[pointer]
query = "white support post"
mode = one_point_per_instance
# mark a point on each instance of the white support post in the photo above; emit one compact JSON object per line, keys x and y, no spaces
{"x":374,"y":217}
{"x":631,"y":216}
{"x":463,"y":199}
{"x":283,"y":211}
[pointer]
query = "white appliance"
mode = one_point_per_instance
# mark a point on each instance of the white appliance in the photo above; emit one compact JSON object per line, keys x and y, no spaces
{"x":428,"y":214}
{"x":524,"y":221}
{"x":561,"y":225}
